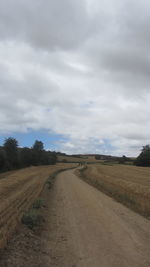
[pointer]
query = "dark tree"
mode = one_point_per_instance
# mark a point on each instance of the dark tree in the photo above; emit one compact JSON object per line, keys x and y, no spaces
{"x":11,"y":150}
{"x":13,"y":157}
{"x":37,"y":153}
{"x":98,"y":157}
{"x":122,"y":160}
{"x":26,"y":157}
{"x":52,"y":157}
{"x":3,"y":160}
{"x":38,"y":146}
{"x":144,"y":158}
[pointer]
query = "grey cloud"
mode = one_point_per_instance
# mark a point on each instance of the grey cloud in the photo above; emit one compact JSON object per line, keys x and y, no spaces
{"x":135,"y":23}
{"x":126,"y":60}
{"x":48,"y":25}
{"x":120,"y":54}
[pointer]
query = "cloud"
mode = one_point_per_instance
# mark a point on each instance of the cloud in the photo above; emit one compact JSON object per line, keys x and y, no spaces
{"x":49,"y":25}
{"x":79,"y":69}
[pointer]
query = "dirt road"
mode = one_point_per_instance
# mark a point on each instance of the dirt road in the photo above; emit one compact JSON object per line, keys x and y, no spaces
{"x":86,"y":228}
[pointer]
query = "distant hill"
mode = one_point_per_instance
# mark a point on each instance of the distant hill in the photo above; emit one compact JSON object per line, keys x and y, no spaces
{"x":93,"y":158}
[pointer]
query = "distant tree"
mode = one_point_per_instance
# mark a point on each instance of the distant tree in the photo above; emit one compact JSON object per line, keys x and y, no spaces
{"x":122,"y":160}
{"x":3,"y":160}
{"x":52,"y":157}
{"x":26,"y":157}
{"x":37,"y":153}
{"x":38,"y":146}
{"x":13,"y":157}
{"x":144,"y":158}
{"x":97,"y":157}
{"x":11,"y":149}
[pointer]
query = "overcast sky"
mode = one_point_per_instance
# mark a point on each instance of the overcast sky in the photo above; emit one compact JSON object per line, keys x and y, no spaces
{"x":77,"y":70}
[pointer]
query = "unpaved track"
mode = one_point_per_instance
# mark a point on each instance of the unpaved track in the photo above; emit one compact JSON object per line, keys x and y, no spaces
{"x":86,"y":228}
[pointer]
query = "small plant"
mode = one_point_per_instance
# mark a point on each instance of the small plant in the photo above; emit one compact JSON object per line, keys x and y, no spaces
{"x":49,"y":182}
{"x":32,"y":219}
{"x":39,"y":203}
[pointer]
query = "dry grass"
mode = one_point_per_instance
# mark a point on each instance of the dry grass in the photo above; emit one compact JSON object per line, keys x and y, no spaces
{"x":128,"y":184}
{"x":18,"y":191}
{"x":81,"y":159}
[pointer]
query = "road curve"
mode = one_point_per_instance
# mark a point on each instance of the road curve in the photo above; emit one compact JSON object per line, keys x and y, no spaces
{"x":86,"y":228}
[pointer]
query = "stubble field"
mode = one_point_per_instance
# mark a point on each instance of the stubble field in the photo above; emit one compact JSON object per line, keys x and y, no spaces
{"x":127,"y":184}
{"x":18,"y":190}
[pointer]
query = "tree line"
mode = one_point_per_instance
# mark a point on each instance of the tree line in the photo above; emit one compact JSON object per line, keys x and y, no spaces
{"x":144,"y":157}
{"x":14,"y":157}
{"x":120,"y":160}
{"x":142,"y":160}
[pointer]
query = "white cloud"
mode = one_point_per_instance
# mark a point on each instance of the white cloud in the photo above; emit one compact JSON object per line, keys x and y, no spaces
{"x":78,"y":70}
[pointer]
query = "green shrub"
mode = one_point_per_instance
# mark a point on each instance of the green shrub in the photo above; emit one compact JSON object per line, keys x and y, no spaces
{"x":39,"y":203}
{"x":49,"y":182}
{"x":32,"y":219}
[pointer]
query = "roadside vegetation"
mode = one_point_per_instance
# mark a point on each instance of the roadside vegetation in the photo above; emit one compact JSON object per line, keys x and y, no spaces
{"x":33,"y":217}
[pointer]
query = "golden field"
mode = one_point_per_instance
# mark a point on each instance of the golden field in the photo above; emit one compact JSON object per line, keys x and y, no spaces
{"x":18,"y":190}
{"x":128,"y":184}
{"x":77,"y":159}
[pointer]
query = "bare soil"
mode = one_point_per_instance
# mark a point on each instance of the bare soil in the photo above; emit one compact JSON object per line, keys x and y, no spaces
{"x":83,"y":228}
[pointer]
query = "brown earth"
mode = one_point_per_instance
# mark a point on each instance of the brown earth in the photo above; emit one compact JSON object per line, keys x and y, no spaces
{"x":83,"y":228}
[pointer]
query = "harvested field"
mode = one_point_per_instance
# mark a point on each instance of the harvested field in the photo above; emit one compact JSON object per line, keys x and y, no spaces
{"x":18,"y":190}
{"x":79,"y":159}
{"x":128,"y":184}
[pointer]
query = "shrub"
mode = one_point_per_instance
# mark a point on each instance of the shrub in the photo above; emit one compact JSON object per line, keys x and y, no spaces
{"x":39,"y":203}
{"x":50,"y":183}
{"x":32,"y":219}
